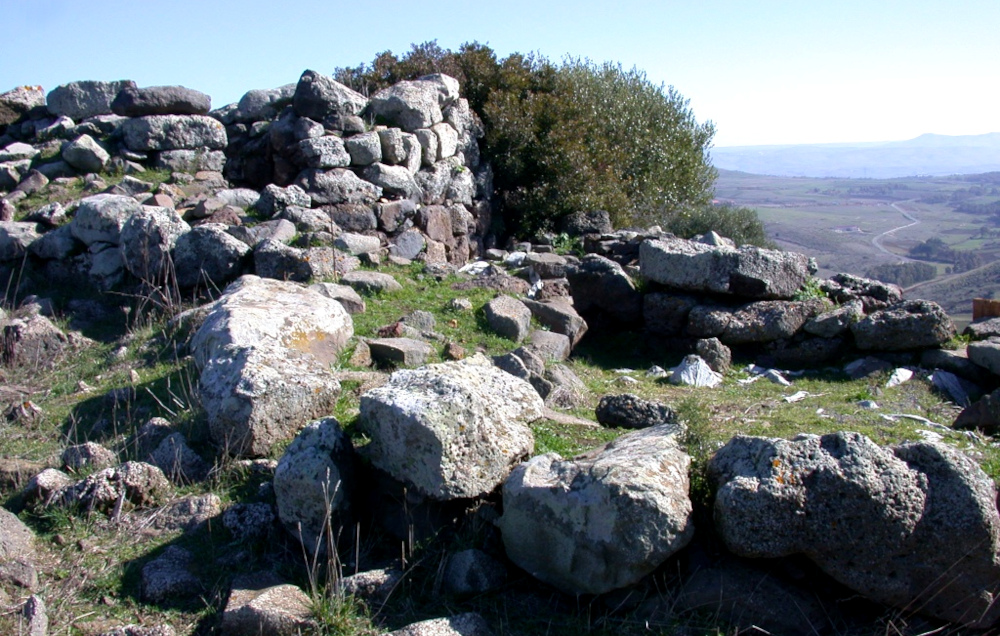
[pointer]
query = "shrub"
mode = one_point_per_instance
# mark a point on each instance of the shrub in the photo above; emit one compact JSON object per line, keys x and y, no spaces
{"x":575,"y":136}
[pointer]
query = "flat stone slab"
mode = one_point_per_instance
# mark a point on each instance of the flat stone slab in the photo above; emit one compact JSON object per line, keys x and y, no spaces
{"x":403,"y":352}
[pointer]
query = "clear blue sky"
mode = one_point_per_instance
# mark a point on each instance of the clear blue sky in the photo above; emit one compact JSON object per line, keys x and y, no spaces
{"x":765,"y":71}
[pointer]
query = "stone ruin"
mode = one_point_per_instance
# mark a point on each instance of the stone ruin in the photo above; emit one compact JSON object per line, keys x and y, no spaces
{"x":310,"y":180}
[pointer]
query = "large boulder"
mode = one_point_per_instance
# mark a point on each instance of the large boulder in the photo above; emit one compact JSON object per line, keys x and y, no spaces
{"x":312,"y":484}
{"x":137,"y":483}
{"x":16,"y":539}
{"x":337,"y":186}
{"x":913,"y":324}
{"x":264,"y":351}
{"x":146,"y":240}
{"x":415,"y":104}
{"x":317,"y":96}
{"x":80,"y":100}
{"x":559,"y":315}
{"x":604,"y":520}
{"x":173,"y":132}
{"x":983,"y":415}
{"x":160,"y":100}
{"x":914,"y":526}
{"x":322,"y":152}
{"x":451,"y":430}
{"x":85,"y":154}
{"x":17,"y":102}
{"x":16,"y":238}
{"x":508,"y":317}
{"x":208,"y":256}
{"x":755,"y":323}
{"x":100,"y":218}
{"x":393,"y":180}
{"x":262,"y":605}
{"x":748,"y":272}
{"x":262,"y":104}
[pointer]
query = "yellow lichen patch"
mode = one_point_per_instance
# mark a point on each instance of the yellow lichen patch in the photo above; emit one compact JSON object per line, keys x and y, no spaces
{"x":319,"y":344}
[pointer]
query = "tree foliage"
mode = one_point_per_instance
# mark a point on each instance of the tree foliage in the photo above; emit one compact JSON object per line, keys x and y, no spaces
{"x":903,"y":274}
{"x":577,"y":136}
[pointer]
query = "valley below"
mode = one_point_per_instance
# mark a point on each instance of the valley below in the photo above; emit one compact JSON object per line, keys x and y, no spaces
{"x":949,"y":224}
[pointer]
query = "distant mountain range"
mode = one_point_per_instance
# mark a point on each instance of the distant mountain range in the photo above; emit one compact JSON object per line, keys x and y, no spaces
{"x":928,"y":154}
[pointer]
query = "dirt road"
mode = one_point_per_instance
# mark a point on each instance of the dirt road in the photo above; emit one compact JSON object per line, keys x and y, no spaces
{"x":877,"y":240}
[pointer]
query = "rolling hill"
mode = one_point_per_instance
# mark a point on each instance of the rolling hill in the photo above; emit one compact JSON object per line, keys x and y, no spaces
{"x":925,"y":155}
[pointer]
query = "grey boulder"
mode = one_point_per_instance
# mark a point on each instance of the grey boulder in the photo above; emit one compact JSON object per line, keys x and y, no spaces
{"x":600,"y":286}
{"x":415,"y":104}
{"x":313,"y":482}
{"x":85,"y":154}
{"x":160,"y":100}
{"x":317,"y":96}
{"x":16,"y":238}
{"x":80,"y":100}
{"x":914,"y":526}
{"x":337,"y":186}
{"x":173,"y":132}
{"x":508,"y":317}
{"x":748,"y":272}
{"x":208,"y":256}
{"x":146,"y":240}
{"x":602,"y":521}
{"x":264,"y":351}
{"x":912,"y":324}
{"x":100,"y":218}
{"x":451,"y":430}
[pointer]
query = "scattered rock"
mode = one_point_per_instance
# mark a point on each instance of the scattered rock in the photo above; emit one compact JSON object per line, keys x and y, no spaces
{"x":600,"y":286}
{"x":249,"y":521}
{"x":87,"y":456}
{"x":371,"y":282}
{"x":715,"y":354}
{"x":631,"y":411}
{"x":604,"y":520}
{"x":169,"y":576}
{"x":400,"y":352}
{"x":344,"y":294}
{"x":262,"y":605}
{"x":16,"y":539}
{"x":508,"y":317}
{"x":186,"y":514}
{"x":313,"y":484}
{"x":136,"y":483}
{"x":452,"y":430}
{"x":85,"y":154}
{"x":208,"y":256}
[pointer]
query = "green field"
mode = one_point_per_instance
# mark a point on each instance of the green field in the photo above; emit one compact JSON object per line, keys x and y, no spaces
{"x":837,"y":221}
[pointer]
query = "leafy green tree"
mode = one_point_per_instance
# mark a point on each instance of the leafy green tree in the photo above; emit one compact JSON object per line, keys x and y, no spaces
{"x":578,"y":136}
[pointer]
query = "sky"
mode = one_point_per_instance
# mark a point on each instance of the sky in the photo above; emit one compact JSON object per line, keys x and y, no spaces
{"x":763,"y":71}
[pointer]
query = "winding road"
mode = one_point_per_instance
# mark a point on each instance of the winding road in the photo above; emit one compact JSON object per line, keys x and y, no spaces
{"x":877,"y":240}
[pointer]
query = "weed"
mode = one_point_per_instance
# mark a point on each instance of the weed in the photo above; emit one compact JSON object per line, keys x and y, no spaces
{"x":810,"y":290}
